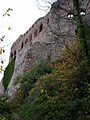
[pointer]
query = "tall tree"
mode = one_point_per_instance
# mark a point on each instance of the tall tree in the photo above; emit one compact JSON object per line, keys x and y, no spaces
{"x":69,"y":19}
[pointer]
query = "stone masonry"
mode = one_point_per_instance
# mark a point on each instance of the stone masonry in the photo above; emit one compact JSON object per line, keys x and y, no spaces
{"x":46,"y":37}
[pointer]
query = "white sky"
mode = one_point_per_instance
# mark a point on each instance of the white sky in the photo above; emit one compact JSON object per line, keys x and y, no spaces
{"x":24,"y":14}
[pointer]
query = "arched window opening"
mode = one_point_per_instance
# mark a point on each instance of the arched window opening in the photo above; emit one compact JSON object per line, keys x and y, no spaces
{"x":26,"y":41}
{"x":70,"y":14}
{"x":35,"y":33}
{"x":47,"y":20}
{"x":21,"y":45}
{"x":41,"y":28}
{"x":30,"y":38}
{"x":76,"y":32}
{"x":15,"y":53}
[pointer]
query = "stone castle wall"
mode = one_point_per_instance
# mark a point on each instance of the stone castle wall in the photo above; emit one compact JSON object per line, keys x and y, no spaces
{"x":40,"y":30}
{"x":46,"y":38}
{"x":34,"y":34}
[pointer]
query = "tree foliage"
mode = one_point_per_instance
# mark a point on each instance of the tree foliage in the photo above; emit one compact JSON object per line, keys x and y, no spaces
{"x":60,"y":94}
{"x":5,"y":110}
{"x":59,"y":90}
{"x":2,"y":38}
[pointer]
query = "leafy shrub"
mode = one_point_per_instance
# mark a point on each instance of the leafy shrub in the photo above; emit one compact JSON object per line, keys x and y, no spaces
{"x":63,"y":93}
{"x":44,"y":107}
{"x":28,"y":81}
{"x":5,"y":110}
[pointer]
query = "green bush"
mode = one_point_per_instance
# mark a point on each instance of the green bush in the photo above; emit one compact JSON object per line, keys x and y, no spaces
{"x":5,"y":110}
{"x":44,"y":67}
{"x":61,"y":93}
{"x":55,"y":108}
{"x":30,"y":78}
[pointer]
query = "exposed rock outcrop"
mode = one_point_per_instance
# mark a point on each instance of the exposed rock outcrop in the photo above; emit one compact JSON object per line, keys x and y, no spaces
{"x":45,"y":39}
{"x":31,"y":55}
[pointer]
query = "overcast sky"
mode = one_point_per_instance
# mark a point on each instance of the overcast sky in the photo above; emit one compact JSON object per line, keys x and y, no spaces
{"x":24,"y":14}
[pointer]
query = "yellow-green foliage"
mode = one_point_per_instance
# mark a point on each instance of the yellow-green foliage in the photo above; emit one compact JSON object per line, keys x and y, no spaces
{"x":5,"y":110}
{"x":8,"y":73}
{"x":29,"y":79}
{"x":61,"y":94}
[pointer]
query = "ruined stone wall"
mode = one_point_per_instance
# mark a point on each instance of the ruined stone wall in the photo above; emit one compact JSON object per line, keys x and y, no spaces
{"x":34,"y":34}
{"x":46,"y":37}
{"x":57,"y":21}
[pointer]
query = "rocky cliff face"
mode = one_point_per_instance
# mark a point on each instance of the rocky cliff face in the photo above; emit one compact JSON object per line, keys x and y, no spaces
{"x":29,"y":56}
{"x":44,"y":40}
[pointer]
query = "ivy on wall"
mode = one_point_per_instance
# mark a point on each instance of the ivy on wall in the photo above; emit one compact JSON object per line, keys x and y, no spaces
{"x":8,"y":73}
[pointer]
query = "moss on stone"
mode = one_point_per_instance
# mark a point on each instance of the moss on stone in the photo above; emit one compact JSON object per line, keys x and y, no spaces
{"x":8,"y":73}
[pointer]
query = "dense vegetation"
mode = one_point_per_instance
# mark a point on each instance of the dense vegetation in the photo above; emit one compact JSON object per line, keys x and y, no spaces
{"x":5,"y":110}
{"x":57,"y":90}
{"x":8,"y":73}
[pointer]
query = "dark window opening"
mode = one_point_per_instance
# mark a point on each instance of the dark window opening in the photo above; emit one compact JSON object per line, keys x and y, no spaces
{"x":47,"y":21}
{"x":41,"y":27}
{"x":22,"y":46}
{"x":30,"y":38}
{"x":26,"y":41}
{"x":15,"y":53}
{"x":11,"y":55}
{"x":35,"y":33}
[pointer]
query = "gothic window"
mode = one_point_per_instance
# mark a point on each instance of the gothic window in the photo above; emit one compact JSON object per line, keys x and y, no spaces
{"x":41,"y":28}
{"x":76,"y":31}
{"x":26,"y":41}
{"x":30,"y":38}
{"x":21,"y":45}
{"x":35,"y":33}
